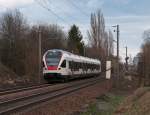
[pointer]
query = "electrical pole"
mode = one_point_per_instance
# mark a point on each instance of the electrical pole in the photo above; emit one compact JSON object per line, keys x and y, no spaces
{"x":40,"y":58}
{"x":118,"y":72}
{"x":118,"y":52}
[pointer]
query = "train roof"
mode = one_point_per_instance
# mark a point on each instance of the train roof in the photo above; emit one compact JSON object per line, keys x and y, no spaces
{"x":78,"y":58}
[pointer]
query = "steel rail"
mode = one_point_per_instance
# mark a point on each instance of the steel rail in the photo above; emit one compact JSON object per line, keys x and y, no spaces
{"x":23,"y":89}
{"x":26,"y":101}
{"x":71,"y":84}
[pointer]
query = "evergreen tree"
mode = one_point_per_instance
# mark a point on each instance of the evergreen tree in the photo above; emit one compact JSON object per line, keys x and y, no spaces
{"x":75,"y":43}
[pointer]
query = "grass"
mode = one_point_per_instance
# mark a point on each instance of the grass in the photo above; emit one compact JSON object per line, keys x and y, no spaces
{"x":112,"y":101}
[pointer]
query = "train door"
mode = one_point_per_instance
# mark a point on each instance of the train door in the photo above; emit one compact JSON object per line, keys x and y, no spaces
{"x":83,"y":69}
{"x":63,"y":67}
{"x":70,"y":68}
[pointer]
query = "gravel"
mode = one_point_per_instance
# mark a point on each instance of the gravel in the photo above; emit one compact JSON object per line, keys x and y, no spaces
{"x":74,"y":103}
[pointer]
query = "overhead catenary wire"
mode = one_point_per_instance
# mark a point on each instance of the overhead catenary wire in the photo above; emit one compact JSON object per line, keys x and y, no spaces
{"x":50,"y":10}
{"x":44,"y":3}
{"x":77,"y":7}
{"x":49,"y":2}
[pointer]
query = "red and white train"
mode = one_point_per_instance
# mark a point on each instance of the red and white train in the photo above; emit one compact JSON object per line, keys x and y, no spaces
{"x":59,"y":64}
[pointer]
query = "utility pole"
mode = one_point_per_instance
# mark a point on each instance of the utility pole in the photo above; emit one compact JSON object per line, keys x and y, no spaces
{"x":108,"y":46}
{"x":118,"y":72}
{"x":40,"y":58}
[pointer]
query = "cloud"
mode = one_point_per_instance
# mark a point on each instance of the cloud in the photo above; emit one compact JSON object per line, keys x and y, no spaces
{"x":14,"y":3}
{"x":94,"y":4}
{"x":121,"y":12}
{"x":131,"y":30}
{"x":129,"y":18}
{"x":132,"y":52}
{"x":121,"y":1}
{"x":131,"y":26}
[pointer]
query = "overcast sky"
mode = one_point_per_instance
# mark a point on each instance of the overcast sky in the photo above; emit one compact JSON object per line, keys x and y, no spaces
{"x":133,"y":16}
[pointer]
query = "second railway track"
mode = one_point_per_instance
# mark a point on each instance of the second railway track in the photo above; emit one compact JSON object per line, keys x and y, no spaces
{"x":23,"y":89}
{"x":13,"y":105}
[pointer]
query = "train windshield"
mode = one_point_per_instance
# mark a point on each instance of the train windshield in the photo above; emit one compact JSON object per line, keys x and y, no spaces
{"x":53,"y":58}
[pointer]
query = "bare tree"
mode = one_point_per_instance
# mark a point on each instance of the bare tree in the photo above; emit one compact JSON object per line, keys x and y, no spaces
{"x":19,"y":43}
{"x":97,"y":31}
{"x":52,"y":36}
{"x":111,"y":41}
{"x":144,"y":60}
{"x":13,"y":27}
{"x":101,"y":42}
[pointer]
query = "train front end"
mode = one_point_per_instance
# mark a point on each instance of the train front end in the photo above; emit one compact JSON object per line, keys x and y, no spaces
{"x":51,"y":60}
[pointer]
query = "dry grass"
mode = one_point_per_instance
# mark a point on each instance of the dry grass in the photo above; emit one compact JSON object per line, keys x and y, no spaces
{"x":136,"y":104}
{"x":6,"y":75}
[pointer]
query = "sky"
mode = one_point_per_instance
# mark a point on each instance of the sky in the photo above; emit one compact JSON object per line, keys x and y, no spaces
{"x":133,"y":17}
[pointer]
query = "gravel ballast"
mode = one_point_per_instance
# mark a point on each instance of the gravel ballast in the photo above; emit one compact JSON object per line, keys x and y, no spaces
{"x":73,"y":103}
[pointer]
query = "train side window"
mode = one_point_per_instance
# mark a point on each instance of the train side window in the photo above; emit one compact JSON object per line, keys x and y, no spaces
{"x":73,"y":65}
{"x":43,"y":64}
{"x":70,"y":65}
{"x":80,"y":65}
{"x":63,"y":64}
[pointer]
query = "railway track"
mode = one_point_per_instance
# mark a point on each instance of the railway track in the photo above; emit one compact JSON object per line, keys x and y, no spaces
{"x":20,"y":103}
{"x":10,"y":91}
